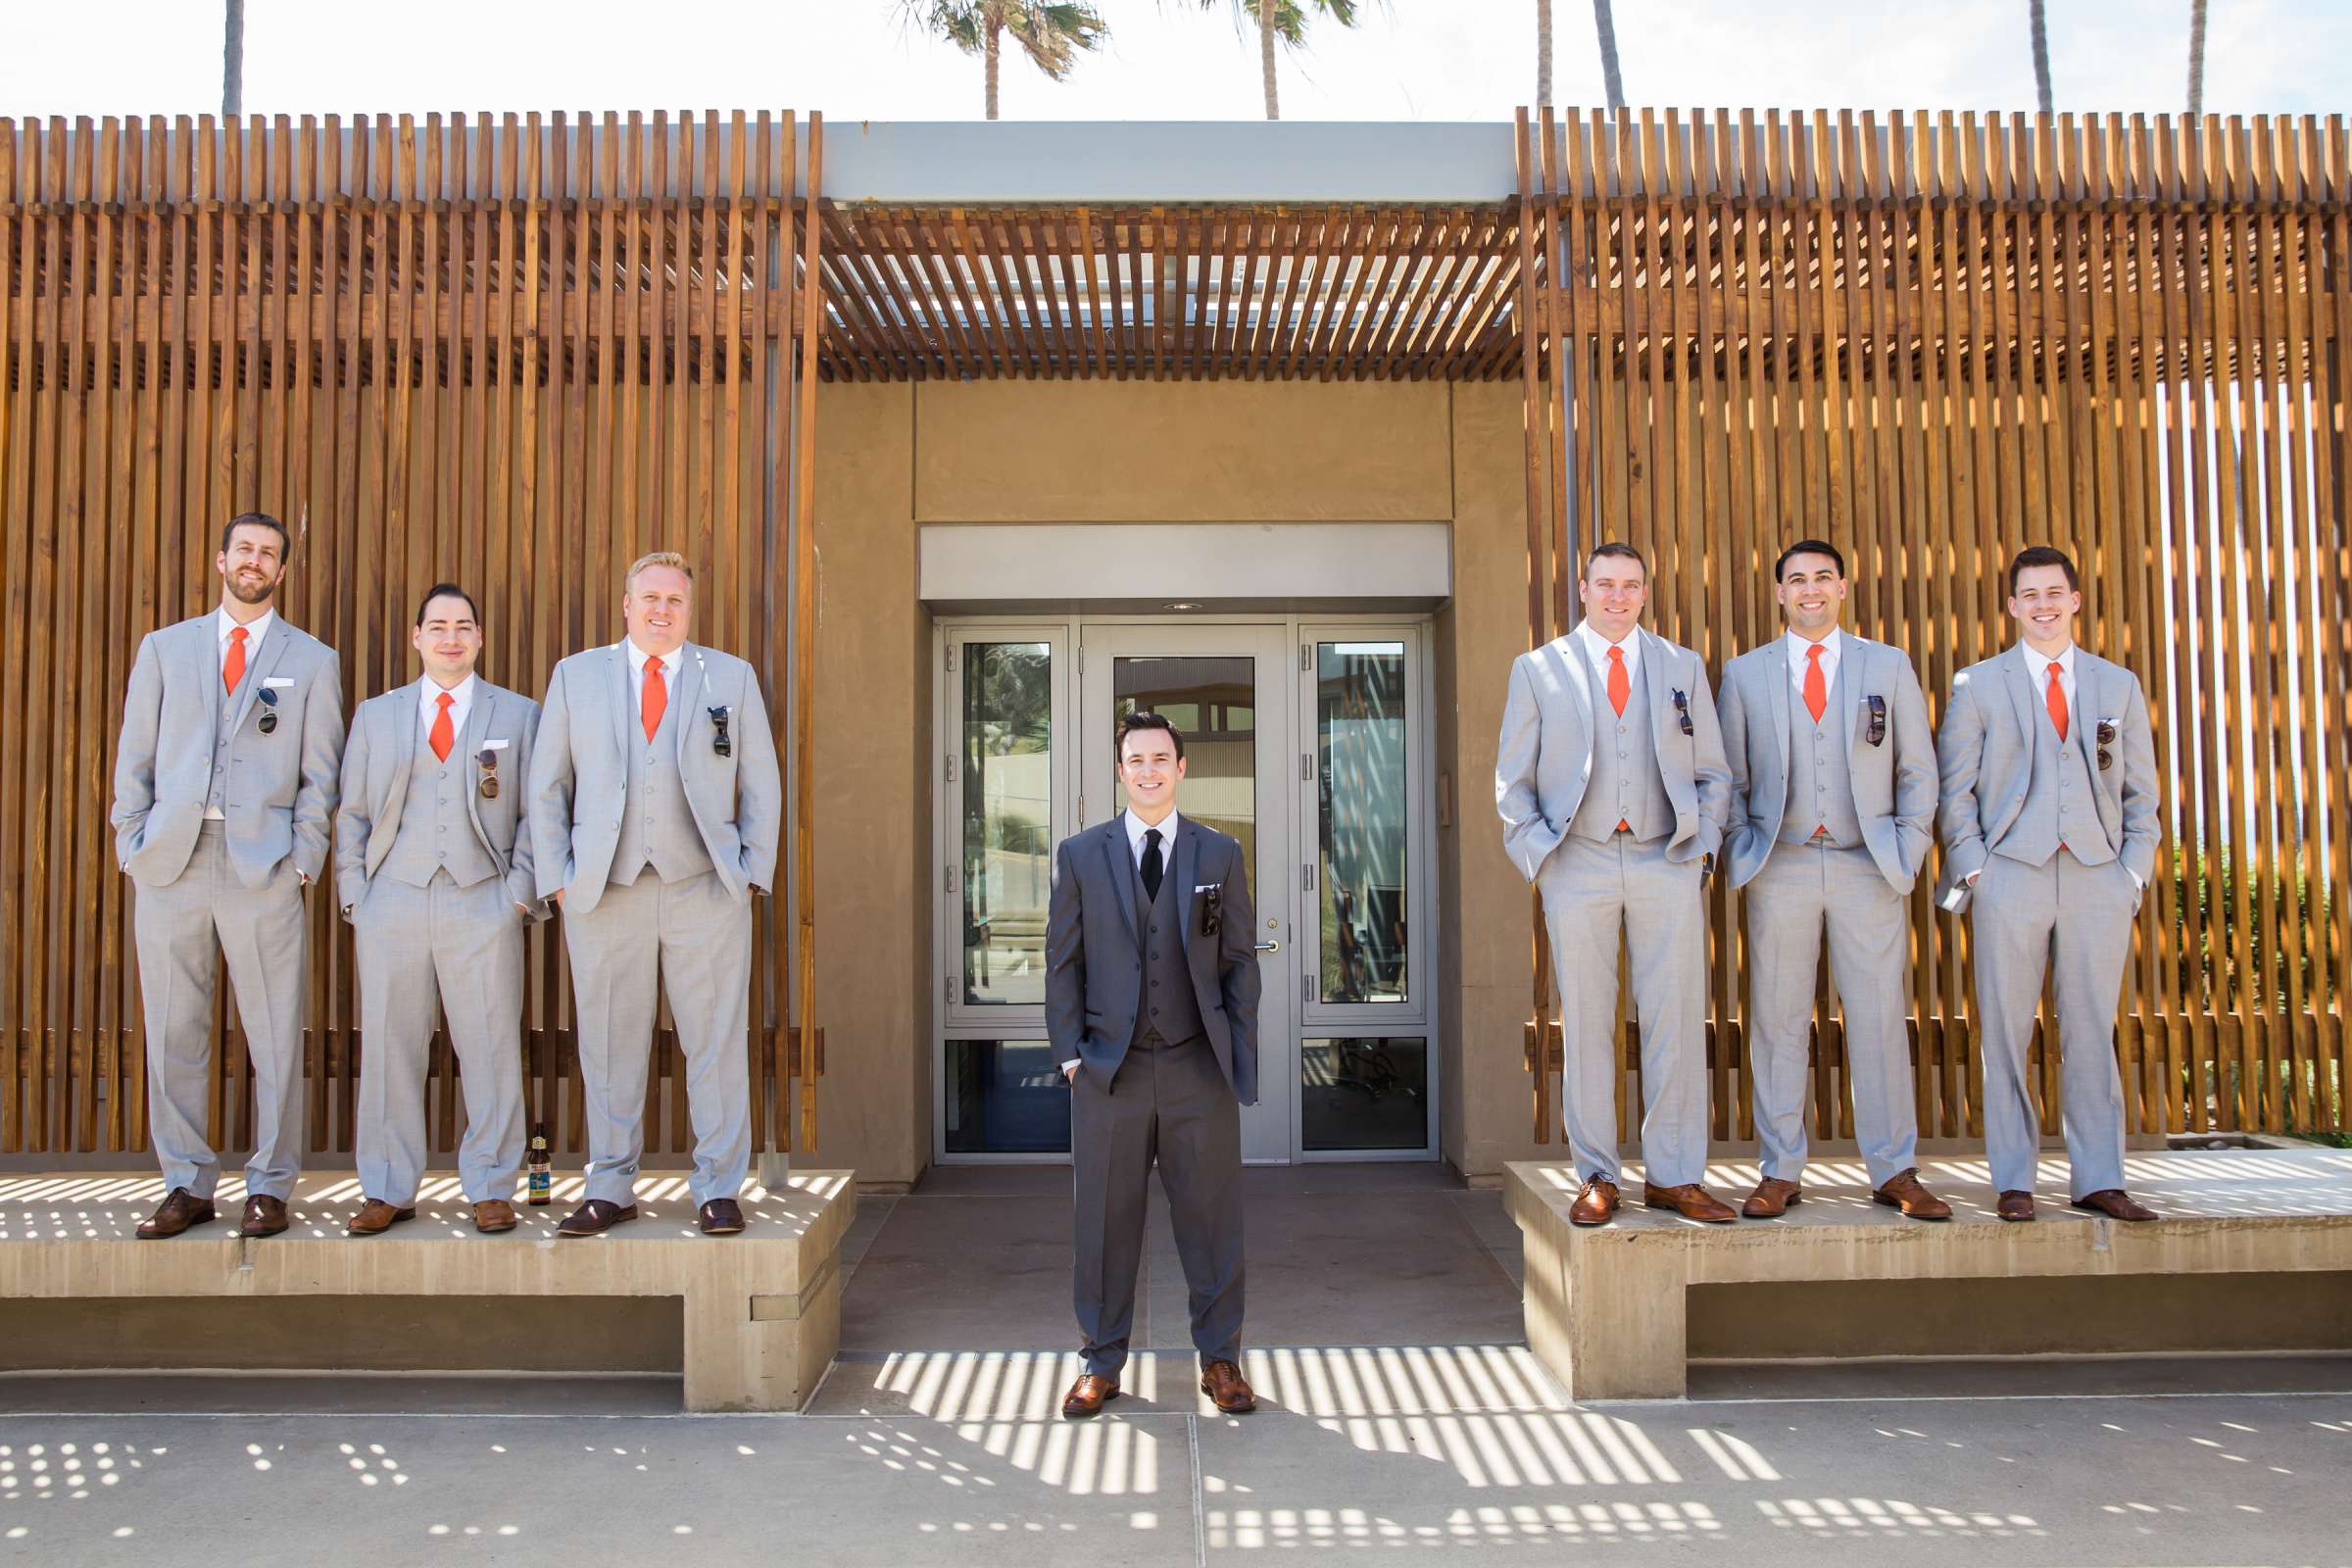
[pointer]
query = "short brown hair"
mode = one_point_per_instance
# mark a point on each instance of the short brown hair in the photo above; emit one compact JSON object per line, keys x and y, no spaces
{"x":658,"y":558}
{"x":258,"y":519}
{"x":1146,"y":719}
{"x":2045,"y":556}
{"x":1620,"y":549}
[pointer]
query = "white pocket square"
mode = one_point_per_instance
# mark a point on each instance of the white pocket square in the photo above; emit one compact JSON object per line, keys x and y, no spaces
{"x":277,"y":680}
{"x":1206,"y":886}
{"x":494,"y":746}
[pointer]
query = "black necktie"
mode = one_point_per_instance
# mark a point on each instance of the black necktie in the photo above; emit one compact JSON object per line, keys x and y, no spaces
{"x":1152,"y":863}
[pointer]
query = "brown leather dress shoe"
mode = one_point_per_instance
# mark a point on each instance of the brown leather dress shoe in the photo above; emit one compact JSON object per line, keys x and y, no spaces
{"x":492,"y":1215}
{"x":264,"y":1216}
{"x":2116,"y":1204}
{"x":1691,"y":1200}
{"x":1770,"y":1198}
{"x":1595,"y":1203}
{"x":1904,"y":1192}
{"x":2014,"y":1207}
{"x":1088,"y":1394}
{"x":375,"y":1217}
{"x":722,"y":1216}
{"x":179,"y":1210}
{"x":595,"y":1217}
{"x":1227,"y":1389}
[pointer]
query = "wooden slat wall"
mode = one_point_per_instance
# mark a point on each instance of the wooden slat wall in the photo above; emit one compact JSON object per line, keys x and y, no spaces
{"x":1931,"y":341}
{"x":514,"y":352}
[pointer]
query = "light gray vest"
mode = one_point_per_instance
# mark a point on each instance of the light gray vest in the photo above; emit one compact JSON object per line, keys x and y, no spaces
{"x":1167,"y":1012}
{"x":2059,"y":808}
{"x":1821,"y":770}
{"x":216,"y":798}
{"x":656,"y":826}
{"x":1625,"y":785}
{"x":437,"y":833}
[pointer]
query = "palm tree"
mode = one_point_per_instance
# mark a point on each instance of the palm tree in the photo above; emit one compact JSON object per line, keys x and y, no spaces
{"x":233,"y":60}
{"x":1050,"y":34}
{"x":1284,"y":20}
{"x":2196,"y":57}
{"x":1606,"y":26}
{"x":2041,"y":52}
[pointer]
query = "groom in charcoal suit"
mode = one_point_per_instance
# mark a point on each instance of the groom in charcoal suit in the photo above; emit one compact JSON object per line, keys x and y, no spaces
{"x":1152,"y":990}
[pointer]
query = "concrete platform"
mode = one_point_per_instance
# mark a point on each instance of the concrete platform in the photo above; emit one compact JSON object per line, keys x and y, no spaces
{"x":757,"y":1316}
{"x":2254,"y":1253}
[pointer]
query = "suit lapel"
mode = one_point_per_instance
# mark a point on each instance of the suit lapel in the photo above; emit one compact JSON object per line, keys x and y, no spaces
{"x":1856,"y":691}
{"x":684,"y":692}
{"x":2022,"y":696}
{"x":623,"y":708}
{"x":1122,"y":868}
{"x":1663,"y":719}
{"x":1187,"y":854}
{"x":273,"y":652}
{"x":204,"y":643}
{"x":1781,"y":671}
{"x":401,"y":713}
{"x":2083,"y":724}
{"x":477,"y":730}
{"x":1568,"y":658}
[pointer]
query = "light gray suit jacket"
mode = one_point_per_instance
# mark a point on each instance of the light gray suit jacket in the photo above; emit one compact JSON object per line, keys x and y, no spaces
{"x":377,"y":765}
{"x":1985,"y":750}
{"x":1895,"y":780}
{"x":1094,"y":965}
{"x":281,"y":786}
{"x":580,"y":770}
{"x":1545,"y":752}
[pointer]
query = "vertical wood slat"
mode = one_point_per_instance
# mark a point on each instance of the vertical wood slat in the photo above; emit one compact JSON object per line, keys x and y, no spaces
{"x":1935,"y":345}
{"x":381,"y":333}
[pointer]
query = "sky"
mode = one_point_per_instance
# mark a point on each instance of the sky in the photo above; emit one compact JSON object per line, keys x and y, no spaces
{"x":1438,"y":60}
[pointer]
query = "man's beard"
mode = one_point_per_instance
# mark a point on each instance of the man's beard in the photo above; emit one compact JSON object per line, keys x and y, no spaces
{"x":244,"y":594}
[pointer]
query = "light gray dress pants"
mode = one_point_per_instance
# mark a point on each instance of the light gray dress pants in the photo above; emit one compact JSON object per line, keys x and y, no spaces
{"x":1803,"y":891}
{"x":1171,"y":1105}
{"x":1592,"y":890}
{"x":694,"y":938}
{"x":2072,"y":922}
{"x":439,"y":949}
{"x":260,"y":931}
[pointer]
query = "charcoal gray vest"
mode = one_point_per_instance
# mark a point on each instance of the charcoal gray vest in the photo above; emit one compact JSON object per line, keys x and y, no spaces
{"x":1167,"y":1012}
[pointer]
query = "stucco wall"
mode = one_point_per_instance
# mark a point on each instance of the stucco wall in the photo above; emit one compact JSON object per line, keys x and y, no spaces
{"x":891,"y":457}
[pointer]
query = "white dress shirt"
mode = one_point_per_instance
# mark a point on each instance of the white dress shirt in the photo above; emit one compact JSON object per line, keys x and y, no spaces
{"x":1597,"y":646}
{"x":669,"y":669}
{"x":428,"y":706}
{"x":256,"y":630}
{"x":1137,"y":827}
{"x":1800,"y":648}
{"x":2038,"y":666}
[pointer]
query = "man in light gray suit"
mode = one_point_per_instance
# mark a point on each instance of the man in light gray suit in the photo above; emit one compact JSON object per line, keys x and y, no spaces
{"x":1833,"y":813}
{"x":1610,"y":778}
{"x":434,"y":877}
{"x":224,"y":785}
{"x":1152,"y":990}
{"x":2049,"y":829}
{"x":656,"y":808}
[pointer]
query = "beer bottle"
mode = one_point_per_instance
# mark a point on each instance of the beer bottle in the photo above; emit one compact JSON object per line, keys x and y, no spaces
{"x":542,"y":1173}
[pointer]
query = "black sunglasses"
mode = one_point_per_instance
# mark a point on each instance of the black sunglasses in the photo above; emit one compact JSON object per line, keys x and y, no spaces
{"x":489,"y":760}
{"x":2106,"y":738}
{"x":268,"y":723}
{"x":720,"y":742}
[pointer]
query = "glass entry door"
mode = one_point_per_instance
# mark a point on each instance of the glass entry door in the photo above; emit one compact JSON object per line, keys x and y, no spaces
{"x":1307,"y":740}
{"x":1227,"y":691}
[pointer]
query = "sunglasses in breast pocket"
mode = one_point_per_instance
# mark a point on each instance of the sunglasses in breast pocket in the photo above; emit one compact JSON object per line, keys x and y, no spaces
{"x":267,"y":724}
{"x":489,"y":765}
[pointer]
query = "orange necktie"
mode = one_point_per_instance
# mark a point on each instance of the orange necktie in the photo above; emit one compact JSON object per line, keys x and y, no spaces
{"x":444,"y":735}
{"x":232,"y":668}
{"x":1620,"y":690}
{"x":1817,"y":689}
{"x":655,"y":699}
{"x":2055,"y":697}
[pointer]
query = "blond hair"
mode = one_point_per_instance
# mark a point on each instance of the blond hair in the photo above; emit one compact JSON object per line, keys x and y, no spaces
{"x":658,"y":558}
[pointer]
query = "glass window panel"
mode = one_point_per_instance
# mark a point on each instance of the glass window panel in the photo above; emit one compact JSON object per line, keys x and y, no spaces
{"x":1005,"y":1097}
{"x":1214,"y":704}
{"x":1008,"y":820}
{"x":1360,"y":817}
{"x":1363,"y":1094}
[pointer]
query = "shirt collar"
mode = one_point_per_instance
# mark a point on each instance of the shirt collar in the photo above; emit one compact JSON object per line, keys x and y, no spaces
{"x":638,"y":656}
{"x":2037,"y":663}
{"x":1599,"y":646}
{"x":1137,"y":828}
{"x":255,"y":630}
{"x":460,"y":695}
{"x":1830,"y":647}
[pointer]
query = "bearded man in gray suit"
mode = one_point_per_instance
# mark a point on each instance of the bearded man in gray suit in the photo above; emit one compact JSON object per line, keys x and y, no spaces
{"x":1151,"y":990}
{"x":1833,"y":813}
{"x":1611,"y":782}
{"x":655,"y":808}
{"x":225,"y":788}
{"x":2049,"y":830}
{"x":434,"y":875}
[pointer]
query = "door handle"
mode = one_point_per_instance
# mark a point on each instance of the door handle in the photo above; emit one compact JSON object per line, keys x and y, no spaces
{"x":1268,"y":947}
